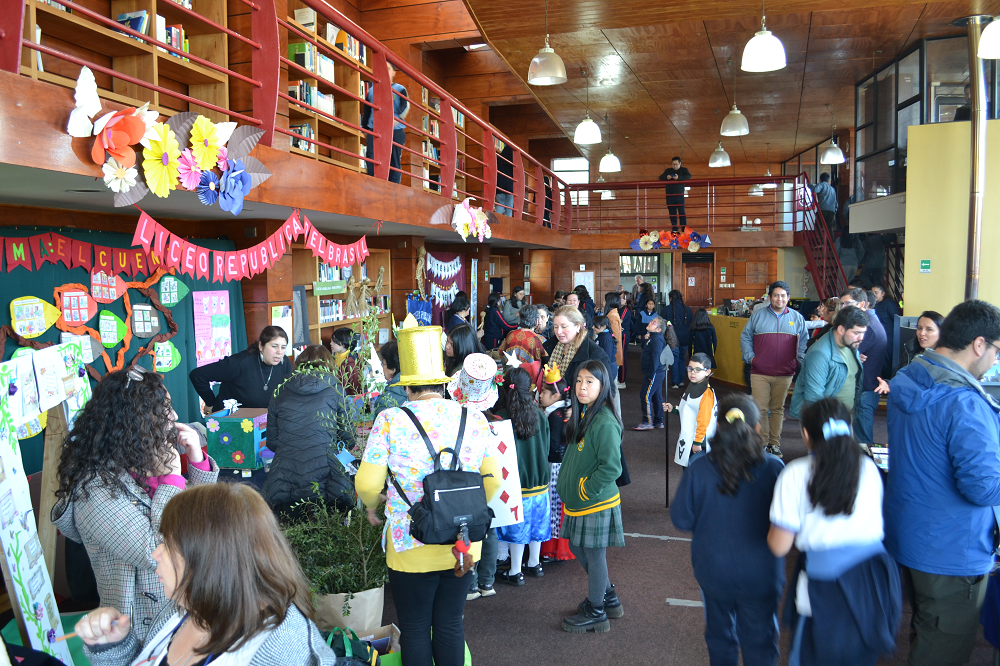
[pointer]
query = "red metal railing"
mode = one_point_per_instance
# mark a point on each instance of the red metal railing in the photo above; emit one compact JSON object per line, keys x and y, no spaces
{"x":893,"y":279}
{"x":817,"y":242}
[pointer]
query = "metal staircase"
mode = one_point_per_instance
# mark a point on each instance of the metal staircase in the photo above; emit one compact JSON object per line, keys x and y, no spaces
{"x":816,"y":240}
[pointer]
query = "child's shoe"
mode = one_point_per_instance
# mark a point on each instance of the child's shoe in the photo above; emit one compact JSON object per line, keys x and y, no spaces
{"x":643,"y":426}
{"x":587,"y":619}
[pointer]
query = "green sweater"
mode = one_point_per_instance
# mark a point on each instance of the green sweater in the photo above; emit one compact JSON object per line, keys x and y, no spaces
{"x":533,"y":457}
{"x":591,"y":466}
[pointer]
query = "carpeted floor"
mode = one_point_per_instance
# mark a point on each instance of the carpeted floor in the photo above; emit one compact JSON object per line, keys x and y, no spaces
{"x":652,"y":573}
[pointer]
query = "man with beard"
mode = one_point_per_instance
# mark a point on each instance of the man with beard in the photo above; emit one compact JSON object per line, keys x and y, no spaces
{"x":832,"y":367}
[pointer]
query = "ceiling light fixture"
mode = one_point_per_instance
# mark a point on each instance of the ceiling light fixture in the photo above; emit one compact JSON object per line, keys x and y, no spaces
{"x":587,"y":132}
{"x":609,"y":163}
{"x":767,"y":174}
{"x":606,"y":195}
{"x":832,"y":154}
{"x":764,"y":52}
{"x":989,"y":42}
{"x":719,"y":157}
{"x":546,"y":68}
{"x":755,"y":190}
{"x":735,"y":123}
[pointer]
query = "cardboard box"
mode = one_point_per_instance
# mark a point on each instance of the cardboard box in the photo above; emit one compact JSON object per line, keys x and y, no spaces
{"x":235,"y":440}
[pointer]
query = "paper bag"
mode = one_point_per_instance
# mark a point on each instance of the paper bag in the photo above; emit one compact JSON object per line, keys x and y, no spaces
{"x":365,"y":611}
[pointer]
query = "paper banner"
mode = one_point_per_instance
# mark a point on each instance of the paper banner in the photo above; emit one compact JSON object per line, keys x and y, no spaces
{"x":106,"y":288}
{"x":18,"y":253}
{"x":166,"y":356}
{"x":81,"y":253}
{"x":112,"y":328}
{"x":77,"y":308}
{"x":62,"y":250}
{"x":145,"y":231}
{"x":145,"y":321}
{"x":506,"y":505}
{"x":172,"y":291}
{"x":32,"y":316}
{"x":212,"y":335}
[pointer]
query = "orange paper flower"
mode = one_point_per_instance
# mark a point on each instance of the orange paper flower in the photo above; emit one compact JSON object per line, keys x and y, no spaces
{"x":121,"y":130}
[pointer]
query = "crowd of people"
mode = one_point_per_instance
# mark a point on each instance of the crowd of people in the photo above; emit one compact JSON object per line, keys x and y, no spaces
{"x":164,"y":546}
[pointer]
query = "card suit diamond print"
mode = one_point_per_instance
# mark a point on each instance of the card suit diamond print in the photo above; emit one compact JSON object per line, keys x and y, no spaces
{"x":504,"y":497}
{"x":502,"y":447}
{"x":504,"y":473}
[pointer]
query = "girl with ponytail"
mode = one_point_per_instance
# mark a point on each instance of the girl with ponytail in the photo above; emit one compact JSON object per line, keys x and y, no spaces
{"x":531,"y":439}
{"x":723,"y":498}
{"x":829,"y":504}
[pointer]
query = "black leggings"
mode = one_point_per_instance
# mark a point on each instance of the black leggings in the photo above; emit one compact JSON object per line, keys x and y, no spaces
{"x":425,"y":600}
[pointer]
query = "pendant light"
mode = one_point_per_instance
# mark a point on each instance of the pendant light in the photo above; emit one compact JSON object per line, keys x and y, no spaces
{"x":606,"y":195}
{"x":755,"y":190}
{"x":767,"y":174}
{"x":764,"y":52}
{"x":587,"y":132}
{"x":546,"y":68}
{"x":989,"y":42}
{"x":832,"y":154}
{"x":719,"y":157}
{"x":735,"y":123}
{"x":609,"y":163}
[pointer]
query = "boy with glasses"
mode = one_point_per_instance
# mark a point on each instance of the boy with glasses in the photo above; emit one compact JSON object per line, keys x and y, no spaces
{"x":698,"y":410}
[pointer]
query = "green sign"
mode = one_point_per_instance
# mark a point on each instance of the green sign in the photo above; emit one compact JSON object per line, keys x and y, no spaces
{"x":327,"y":288}
{"x":722,"y":269}
{"x":172,"y":291}
{"x":111,"y":328}
{"x":925,"y":265}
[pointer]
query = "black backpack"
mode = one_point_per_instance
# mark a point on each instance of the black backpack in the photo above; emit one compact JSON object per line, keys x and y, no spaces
{"x":454,"y":503}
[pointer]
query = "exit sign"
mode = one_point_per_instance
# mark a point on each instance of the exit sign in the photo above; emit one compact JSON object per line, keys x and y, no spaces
{"x":925,"y":265}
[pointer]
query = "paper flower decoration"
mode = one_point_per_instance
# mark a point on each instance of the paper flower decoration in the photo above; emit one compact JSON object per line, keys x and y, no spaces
{"x":81,"y":371}
{"x":467,"y":220}
{"x":149,"y":119}
{"x":223,"y":159}
{"x":238,"y":457}
{"x":188,"y":170}
{"x":693,"y":247}
{"x":39,"y":610}
{"x":654,"y":236}
{"x":117,"y":177}
{"x":50,"y":635}
{"x":160,"y":163}
{"x":115,"y":132}
{"x":12,"y":389}
{"x":208,"y":190}
{"x":233,"y":187}
{"x":205,"y":143}
{"x":225,"y":438}
{"x":645,"y":244}
{"x":247,"y":425}
{"x":212,"y":425}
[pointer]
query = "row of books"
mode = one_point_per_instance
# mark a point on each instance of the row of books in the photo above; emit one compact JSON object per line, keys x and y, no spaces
{"x":331,"y":309}
{"x":380,"y":304}
{"x":306,"y":130}
{"x":431,"y":151}
{"x":184,"y":3}
{"x":305,"y":92}
{"x":432,"y":127}
{"x":306,"y":17}
{"x":57,"y":5}
{"x":329,"y":273}
{"x":434,"y":104}
{"x":306,"y":55}
{"x":173,"y":35}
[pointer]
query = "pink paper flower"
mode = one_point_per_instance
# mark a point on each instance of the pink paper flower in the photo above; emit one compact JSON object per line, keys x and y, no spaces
{"x":212,"y":425}
{"x":187,"y":168}
{"x":223,"y":159}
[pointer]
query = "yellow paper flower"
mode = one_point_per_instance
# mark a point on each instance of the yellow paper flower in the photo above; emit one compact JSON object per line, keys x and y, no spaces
{"x":645,"y":243}
{"x":160,"y":163}
{"x":654,"y":236}
{"x":205,"y":143}
{"x":247,"y":425}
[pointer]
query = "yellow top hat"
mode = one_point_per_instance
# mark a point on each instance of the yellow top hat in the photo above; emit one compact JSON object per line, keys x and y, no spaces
{"x":420,"y":358}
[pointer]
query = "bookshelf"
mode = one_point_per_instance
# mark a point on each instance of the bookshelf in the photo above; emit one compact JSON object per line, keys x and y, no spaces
{"x":56,"y":26}
{"x":313,"y":83}
{"x":430,"y":106}
{"x":324,"y":309}
{"x":500,"y":268}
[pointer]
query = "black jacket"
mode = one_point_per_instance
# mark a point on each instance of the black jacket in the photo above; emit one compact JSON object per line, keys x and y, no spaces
{"x":705,"y":341}
{"x":650,"y":360}
{"x":588,"y":351}
{"x":496,"y":328}
{"x":557,"y":435}
{"x":680,"y":316}
{"x":243,"y":377}
{"x":675,"y":188}
{"x":505,"y":169}
{"x":306,"y":425}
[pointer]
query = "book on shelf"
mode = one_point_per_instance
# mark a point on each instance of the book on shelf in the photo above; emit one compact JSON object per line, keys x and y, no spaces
{"x":177,"y":39}
{"x":325,"y":68}
{"x":328,"y":273}
{"x":458,"y":116}
{"x":431,"y":151}
{"x":331,"y":310}
{"x":306,"y":18}
{"x":305,"y":130}
{"x":38,"y":40}
{"x":57,"y":5}
{"x":303,"y":54}
{"x":324,"y":102}
{"x":380,"y":304}
{"x":138,"y":21}
{"x":435,"y":128}
{"x":161,"y":31}
{"x":434,"y":104}
{"x":346,"y":43}
{"x":186,"y":4}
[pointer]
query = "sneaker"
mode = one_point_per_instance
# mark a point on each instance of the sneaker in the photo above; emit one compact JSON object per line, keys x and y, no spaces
{"x":774,"y":450}
{"x":587,"y":619}
{"x":661,"y":426}
{"x":472,"y":595}
{"x":643,"y":426}
{"x":675,"y":386}
{"x":534,"y":572}
{"x":517,"y":580}
{"x":621,"y":385}
{"x":487,"y":591}
{"x":612,"y":604}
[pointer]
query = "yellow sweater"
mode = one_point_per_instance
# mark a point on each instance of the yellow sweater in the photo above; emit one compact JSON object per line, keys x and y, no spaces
{"x":369,"y":482}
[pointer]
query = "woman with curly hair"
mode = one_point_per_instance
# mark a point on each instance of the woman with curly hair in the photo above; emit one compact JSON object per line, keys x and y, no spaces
{"x":121,"y":464}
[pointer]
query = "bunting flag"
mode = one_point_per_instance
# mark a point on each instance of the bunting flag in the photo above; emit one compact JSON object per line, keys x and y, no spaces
{"x":18,"y":253}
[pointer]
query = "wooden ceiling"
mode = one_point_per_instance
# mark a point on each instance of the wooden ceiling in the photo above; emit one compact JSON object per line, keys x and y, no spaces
{"x":661,"y":68}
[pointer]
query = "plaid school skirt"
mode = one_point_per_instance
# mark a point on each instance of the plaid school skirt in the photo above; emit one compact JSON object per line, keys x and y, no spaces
{"x":595,"y":530}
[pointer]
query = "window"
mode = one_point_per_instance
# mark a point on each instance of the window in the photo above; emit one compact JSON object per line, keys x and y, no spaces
{"x":575,"y":171}
{"x":639,"y":264}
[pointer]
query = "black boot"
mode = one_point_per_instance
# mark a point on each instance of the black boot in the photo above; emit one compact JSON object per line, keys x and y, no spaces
{"x":587,"y":619}
{"x":612,"y":604}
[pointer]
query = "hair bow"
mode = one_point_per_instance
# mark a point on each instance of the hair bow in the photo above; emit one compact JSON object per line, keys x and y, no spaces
{"x":836,"y":427}
{"x":734,"y":414}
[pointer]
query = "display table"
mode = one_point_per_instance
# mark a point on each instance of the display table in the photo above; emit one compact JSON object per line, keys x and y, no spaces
{"x":728,"y":356}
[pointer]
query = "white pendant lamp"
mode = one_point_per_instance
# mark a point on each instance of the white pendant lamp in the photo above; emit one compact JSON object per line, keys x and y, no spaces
{"x":832,"y":154}
{"x":989,"y":42}
{"x":719,"y":157}
{"x":764,"y":52}
{"x":606,"y":195}
{"x":755,"y":190}
{"x":767,"y":174}
{"x":546,"y":68}
{"x":587,"y":132}
{"x":609,"y":163}
{"x":735,"y":123}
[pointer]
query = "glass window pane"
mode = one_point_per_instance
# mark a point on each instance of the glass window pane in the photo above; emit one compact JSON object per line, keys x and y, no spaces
{"x":909,"y":76}
{"x":874,"y":176}
{"x":576,"y":177}
{"x":636,"y":264}
{"x":866,"y":102}
{"x":947,"y":76}
{"x":865,"y":140}
{"x":570,"y":164}
{"x":885,"y":120}
{"x":906,"y":117}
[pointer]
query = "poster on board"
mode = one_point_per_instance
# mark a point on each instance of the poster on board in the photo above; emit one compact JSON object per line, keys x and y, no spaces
{"x":212,"y":336}
{"x":586,"y":278}
{"x":281,"y":316}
